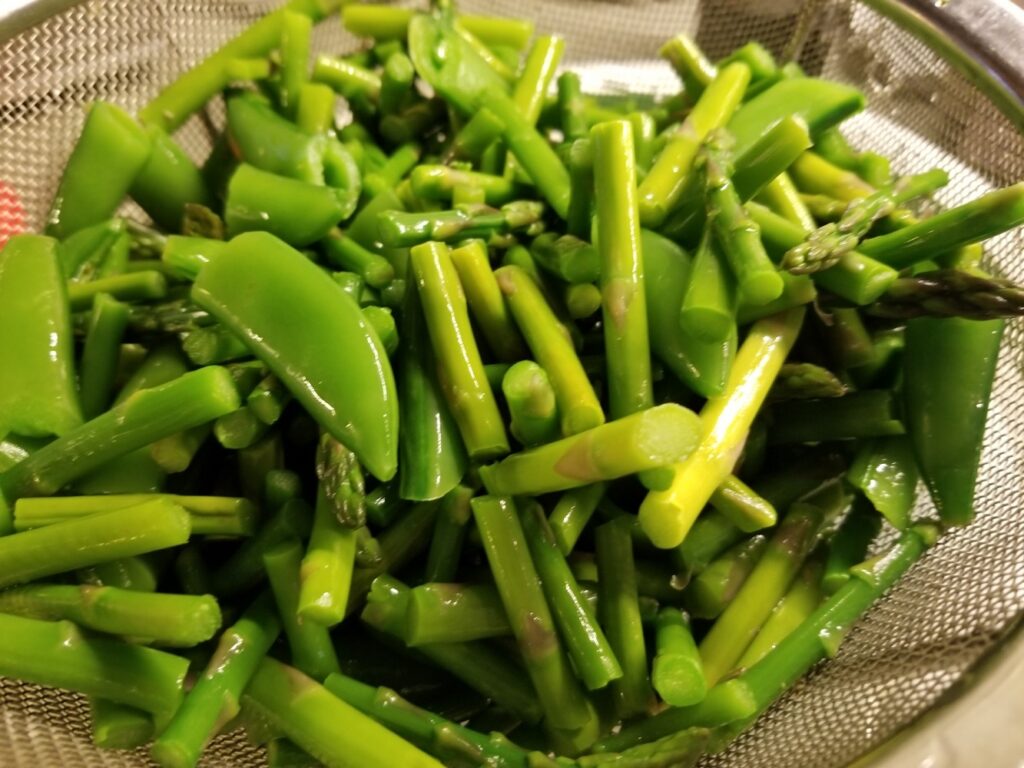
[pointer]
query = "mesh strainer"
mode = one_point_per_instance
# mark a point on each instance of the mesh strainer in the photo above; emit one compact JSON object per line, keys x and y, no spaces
{"x":936,"y":95}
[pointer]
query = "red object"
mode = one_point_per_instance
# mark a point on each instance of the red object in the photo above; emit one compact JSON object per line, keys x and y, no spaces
{"x":12,"y":213}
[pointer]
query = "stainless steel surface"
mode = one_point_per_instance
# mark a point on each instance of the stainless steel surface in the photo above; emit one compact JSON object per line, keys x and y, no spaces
{"x":930,"y":104}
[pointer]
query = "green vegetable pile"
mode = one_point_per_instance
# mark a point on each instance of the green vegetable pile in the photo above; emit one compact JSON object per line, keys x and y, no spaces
{"x":485,"y":427}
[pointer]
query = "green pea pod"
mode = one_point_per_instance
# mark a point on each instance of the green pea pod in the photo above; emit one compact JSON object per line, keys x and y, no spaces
{"x":112,"y":149}
{"x":703,"y":366}
{"x":820,"y":103}
{"x":451,"y":66}
{"x":948,"y":368}
{"x":82,"y":252}
{"x":256,"y":288}
{"x":267,"y":141}
{"x":168,"y":181}
{"x":885,"y":471}
{"x":296,"y":212}
{"x":433,"y":458}
{"x":37,"y":348}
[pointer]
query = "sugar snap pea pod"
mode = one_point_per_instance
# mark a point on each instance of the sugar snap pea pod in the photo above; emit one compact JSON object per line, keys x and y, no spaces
{"x":433,"y":457}
{"x":298,"y":212}
{"x":309,"y":642}
{"x":253,"y":288}
{"x":565,"y":705}
{"x":857,"y":277}
{"x":175,"y":620}
{"x":945,"y":414}
{"x":146,"y":416}
{"x":215,"y":698}
{"x":885,"y":471}
{"x":167,"y":181}
{"x":322,"y":724}
{"x":550,"y":345}
{"x":820,"y":103}
{"x":185,"y":256}
{"x":100,"y":353}
{"x":37,"y":377}
{"x":980,"y":219}
{"x":586,"y":644}
{"x":626,"y":338}
{"x":657,"y":437}
{"x":666,"y":516}
{"x":702,"y":366}
{"x":65,"y":546}
{"x":486,"y":303}
{"x":663,"y":186}
{"x":110,"y":152}
{"x":82,"y":252}
{"x":460,"y":369}
{"x":676,"y":671}
{"x":455,"y":71}
{"x":849,"y":544}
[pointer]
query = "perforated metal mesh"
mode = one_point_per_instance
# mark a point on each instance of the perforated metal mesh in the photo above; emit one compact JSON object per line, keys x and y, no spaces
{"x":949,"y":610}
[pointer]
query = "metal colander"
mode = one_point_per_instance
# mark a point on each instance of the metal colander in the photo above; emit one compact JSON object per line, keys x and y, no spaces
{"x":952,"y":609}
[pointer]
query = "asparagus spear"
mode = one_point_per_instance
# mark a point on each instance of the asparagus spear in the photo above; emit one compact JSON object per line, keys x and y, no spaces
{"x":676,"y":673}
{"x":100,"y":354}
{"x":439,"y":182}
{"x":531,"y":403}
{"x":210,"y":515}
{"x":748,"y":510}
{"x":176,"y":620}
{"x":461,"y":370}
{"x":868,"y":413}
{"x":783,"y":557}
{"x":531,"y":88}
{"x":666,"y":516}
{"x":619,"y":611}
{"x":117,"y":726}
{"x":711,"y":534}
{"x":553,"y":350}
{"x":570,"y":107}
{"x":708,"y":310}
{"x":564,"y":704}
{"x":478,"y":665}
{"x":567,"y":257}
{"x":735,"y":232}
{"x":580,"y":159}
{"x":627,"y":345}
{"x":325,"y":726}
{"x":326,"y":573}
{"x":663,"y":186}
{"x":571,"y":514}
{"x":826,"y":245}
{"x":146,"y":416}
{"x":485,"y":301}
{"x":591,"y":654}
{"x":742,"y":698}
{"x":341,"y":481}
{"x":454,"y":613}
{"x":453,"y":516}
{"x":214,"y":699}
{"x":850,"y":544}
{"x":148,"y":527}
{"x":647,"y":440}
{"x":57,"y":653}
{"x":444,"y":739}
{"x":716,"y":585}
{"x":800,"y":381}
{"x":309,"y":642}
{"x":980,"y":219}
{"x":404,"y":230}
{"x":949,"y":293}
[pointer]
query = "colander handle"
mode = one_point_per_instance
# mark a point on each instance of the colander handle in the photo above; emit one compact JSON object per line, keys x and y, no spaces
{"x":981,"y":38}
